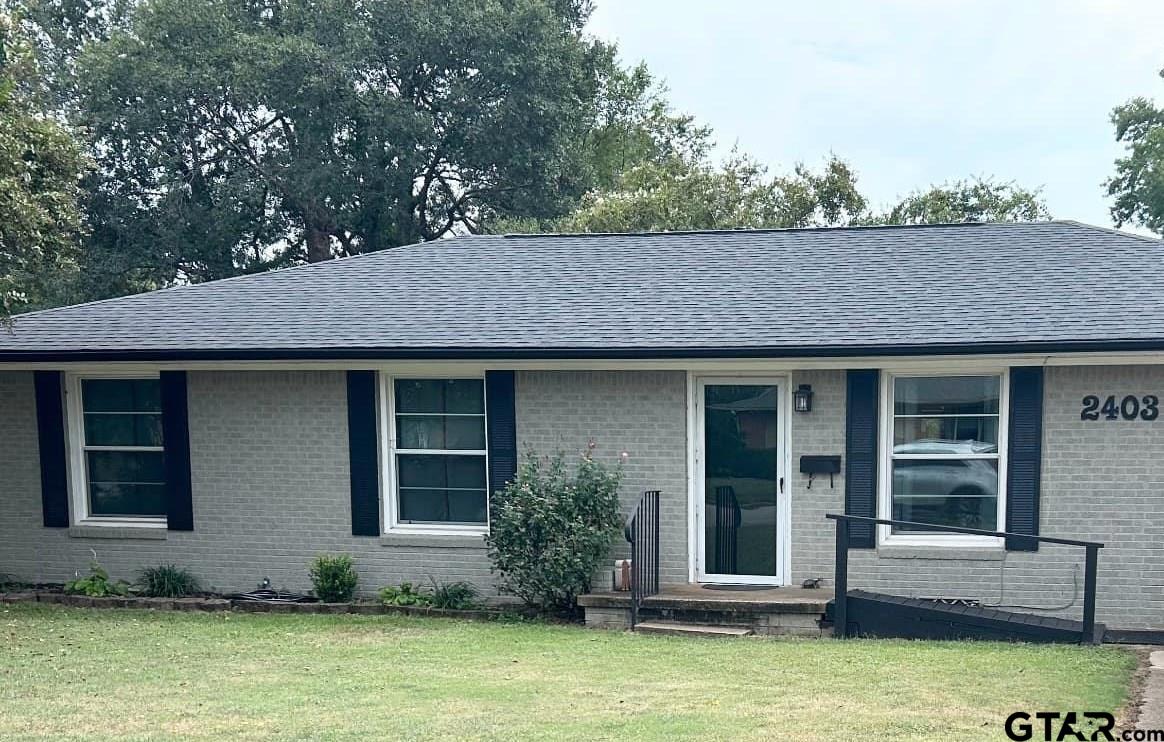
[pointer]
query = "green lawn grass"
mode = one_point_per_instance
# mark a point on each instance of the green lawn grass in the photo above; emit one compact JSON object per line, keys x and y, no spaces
{"x":71,"y":674}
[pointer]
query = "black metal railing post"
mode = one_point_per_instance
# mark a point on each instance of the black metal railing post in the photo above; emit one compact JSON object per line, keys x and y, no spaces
{"x":642,"y":531}
{"x":654,"y":586}
{"x":636,"y":577}
{"x":841,"y":582}
{"x":1091,"y":562}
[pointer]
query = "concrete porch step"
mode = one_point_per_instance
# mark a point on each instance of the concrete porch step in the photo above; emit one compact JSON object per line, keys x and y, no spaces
{"x":696,"y":598}
{"x":674,"y":628}
{"x":783,"y":611}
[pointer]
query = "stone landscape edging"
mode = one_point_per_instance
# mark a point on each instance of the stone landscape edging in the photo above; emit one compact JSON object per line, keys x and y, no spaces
{"x":242,"y":606}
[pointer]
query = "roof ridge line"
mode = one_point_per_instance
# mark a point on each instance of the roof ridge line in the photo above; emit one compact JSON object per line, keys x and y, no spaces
{"x":1110,"y":230}
{"x":770,"y":230}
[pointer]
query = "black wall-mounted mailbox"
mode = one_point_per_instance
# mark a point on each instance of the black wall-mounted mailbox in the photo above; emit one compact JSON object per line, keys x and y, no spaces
{"x":813,"y":465}
{"x":820,"y":464}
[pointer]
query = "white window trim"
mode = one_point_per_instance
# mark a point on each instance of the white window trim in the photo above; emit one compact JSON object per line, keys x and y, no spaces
{"x":885,"y":464}
{"x":389,"y":451}
{"x":78,"y":471}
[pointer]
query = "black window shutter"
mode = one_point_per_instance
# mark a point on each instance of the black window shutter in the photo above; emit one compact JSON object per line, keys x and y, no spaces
{"x":501,"y":406}
{"x":1024,"y":456}
{"x":176,"y":438}
{"x":50,"y":428}
{"x":861,"y":453}
{"x":362,"y":453}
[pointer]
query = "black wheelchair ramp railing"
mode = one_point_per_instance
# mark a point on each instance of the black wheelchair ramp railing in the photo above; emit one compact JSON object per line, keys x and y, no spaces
{"x":642,"y":531}
{"x":841,"y":575}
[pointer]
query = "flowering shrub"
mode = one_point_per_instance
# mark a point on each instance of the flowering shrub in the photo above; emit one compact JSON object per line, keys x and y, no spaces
{"x":549,"y":529}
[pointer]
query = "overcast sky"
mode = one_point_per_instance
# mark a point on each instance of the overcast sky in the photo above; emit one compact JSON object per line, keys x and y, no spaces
{"x":910,"y":92}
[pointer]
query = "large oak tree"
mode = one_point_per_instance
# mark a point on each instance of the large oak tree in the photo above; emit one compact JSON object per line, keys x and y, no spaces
{"x":234,"y":136}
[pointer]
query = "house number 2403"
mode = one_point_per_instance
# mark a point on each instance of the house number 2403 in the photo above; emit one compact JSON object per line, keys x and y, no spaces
{"x":1130,"y":407}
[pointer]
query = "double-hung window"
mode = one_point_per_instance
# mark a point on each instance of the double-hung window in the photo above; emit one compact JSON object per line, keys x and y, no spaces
{"x":118,"y":451}
{"x":945,"y":453}
{"x":439,"y":455}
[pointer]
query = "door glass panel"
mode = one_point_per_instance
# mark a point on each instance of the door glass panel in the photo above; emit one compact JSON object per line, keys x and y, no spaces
{"x":741,"y":428}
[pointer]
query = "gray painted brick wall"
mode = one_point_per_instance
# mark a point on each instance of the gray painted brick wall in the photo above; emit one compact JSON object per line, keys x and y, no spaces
{"x":1104,"y":481}
{"x":270,"y":475}
{"x":641,"y":412}
{"x":269,"y":463}
{"x":820,"y":432}
{"x":271,"y":489}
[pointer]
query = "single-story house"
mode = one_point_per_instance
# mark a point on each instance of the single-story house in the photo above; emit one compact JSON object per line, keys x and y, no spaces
{"x":989,"y":376}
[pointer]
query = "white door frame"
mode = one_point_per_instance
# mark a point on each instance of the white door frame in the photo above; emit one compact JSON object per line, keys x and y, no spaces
{"x":696,"y":496}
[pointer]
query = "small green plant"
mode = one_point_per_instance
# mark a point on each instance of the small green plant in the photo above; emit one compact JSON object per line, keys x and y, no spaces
{"x":454,"y":596}
{"x":406,"y":594}
{"x":167,"y":581}
{"x":97,"y":583}
{"x":334,"y":578}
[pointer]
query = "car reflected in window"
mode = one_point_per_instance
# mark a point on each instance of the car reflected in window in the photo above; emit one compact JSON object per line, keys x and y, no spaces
{"x":950,"y":491}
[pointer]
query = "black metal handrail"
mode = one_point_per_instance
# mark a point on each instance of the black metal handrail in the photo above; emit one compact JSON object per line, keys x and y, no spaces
{"x":642,"y":531}
{"x":841,"y":574}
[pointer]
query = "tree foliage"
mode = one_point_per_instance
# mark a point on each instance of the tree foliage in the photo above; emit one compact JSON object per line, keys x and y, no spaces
{"x":1138,"y":183}
{"x":676,"y":195}
{"x":40,"y":167}
{"x":237,"y":136}
{"x":977,"y":199}
{"x":679,"y":195}
{"x":635,"y":126}
{"x":58,"y":30}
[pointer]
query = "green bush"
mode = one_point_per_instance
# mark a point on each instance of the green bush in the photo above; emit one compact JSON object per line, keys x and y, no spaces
{"x":167,"y":581}
{"x":334,"y":578}
{"x":97,"y":583}
{"x":406,"y":594}
{"x":549,"y":529}
{"x":454,"y":596}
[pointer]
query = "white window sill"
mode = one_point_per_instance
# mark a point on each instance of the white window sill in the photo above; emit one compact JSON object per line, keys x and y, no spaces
{"x":434,"y":540}
{"x":122,"y":522}
{"x":119,"y":530}
{"x":938,"y":539}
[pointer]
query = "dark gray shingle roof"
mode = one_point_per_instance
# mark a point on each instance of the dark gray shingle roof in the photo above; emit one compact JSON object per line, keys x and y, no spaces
{"x":1053,"y":285}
